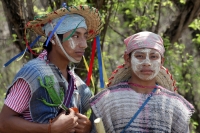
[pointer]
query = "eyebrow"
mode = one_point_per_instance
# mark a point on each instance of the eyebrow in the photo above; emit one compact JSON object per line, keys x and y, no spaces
{"x":77,"y":32}
{"x":137,"y":52}
{"x":153,"y":52}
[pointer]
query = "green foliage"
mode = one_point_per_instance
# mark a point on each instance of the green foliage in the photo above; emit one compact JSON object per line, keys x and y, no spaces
{"x":167,"y":3}
{"x":195,"y":24}
{"x":197,"y":40}
{"x":14,"y":37}
{"x":41,"y":11}
{"x":194,"y":124}
{"x":183,"y":1}
{"x":131,"y":16}
{"x":180,"y":61}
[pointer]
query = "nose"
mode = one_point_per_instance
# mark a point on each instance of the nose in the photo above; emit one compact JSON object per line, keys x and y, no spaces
{"x":83,"y":43}
{"x":147,"y":62}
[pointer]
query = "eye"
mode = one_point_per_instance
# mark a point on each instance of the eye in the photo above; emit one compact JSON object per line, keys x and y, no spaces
{"x":154,"y":57}
{"x":75,"y":36}
{"x":139,"y":56}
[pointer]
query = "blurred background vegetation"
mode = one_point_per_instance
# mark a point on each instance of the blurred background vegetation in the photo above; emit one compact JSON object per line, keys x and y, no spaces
{"x":177,"y":21}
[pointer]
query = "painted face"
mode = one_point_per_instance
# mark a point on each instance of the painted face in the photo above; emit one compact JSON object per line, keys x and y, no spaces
{"x":72,"y":43}
{"x":75,"y":40}
{"x":75,"y":46}
{"x":146,"y":63}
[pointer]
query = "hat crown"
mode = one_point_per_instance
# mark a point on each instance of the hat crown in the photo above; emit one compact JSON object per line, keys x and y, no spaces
{"x":70,"y":22}
{"x":90,"y":14}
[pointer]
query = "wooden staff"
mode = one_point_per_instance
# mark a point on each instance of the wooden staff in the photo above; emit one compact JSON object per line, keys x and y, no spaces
{"x":99,"y":125}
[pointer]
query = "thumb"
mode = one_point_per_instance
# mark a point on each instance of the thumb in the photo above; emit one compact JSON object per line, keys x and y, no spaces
{"x":71,"y":112}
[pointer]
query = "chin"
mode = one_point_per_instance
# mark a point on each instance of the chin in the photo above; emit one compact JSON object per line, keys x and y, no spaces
{"x":78,"y":59}
{"x":147,"y":78}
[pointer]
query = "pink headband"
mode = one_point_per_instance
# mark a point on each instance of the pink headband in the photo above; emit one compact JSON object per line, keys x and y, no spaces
{"x":144,"y":39}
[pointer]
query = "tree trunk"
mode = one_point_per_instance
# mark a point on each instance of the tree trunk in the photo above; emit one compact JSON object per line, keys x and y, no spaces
{"x":13,"y":13}
{"x":188,"y":12}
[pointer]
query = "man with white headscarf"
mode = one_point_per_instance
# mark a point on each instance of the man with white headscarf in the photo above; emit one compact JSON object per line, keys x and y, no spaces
{"x":46,"y":95}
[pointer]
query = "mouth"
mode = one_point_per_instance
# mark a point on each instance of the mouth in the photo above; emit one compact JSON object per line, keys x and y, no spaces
{"x":147,"y":72}
{"x":80,"y":53}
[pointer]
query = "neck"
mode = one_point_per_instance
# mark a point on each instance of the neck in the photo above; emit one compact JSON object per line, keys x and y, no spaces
{"x":142,"y":86}
{"x":60,"y":62}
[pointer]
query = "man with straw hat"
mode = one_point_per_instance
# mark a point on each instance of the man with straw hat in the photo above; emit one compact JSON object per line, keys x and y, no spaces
{"x":44,"y":90}
{"x":141,"y":95}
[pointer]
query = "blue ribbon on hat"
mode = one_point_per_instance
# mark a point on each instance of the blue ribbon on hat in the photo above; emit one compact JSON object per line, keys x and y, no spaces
{"x":33,"y":43}
{"x":55,"y":28}
{"x":20,"y":54}
{"x":100,"y":62}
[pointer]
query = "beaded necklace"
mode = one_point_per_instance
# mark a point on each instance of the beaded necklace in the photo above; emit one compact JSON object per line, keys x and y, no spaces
{"x":141,"y":86}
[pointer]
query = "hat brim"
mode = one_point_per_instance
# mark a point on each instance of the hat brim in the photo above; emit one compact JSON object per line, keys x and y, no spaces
{"x":123,"y":73}
{"x":91,"y":15}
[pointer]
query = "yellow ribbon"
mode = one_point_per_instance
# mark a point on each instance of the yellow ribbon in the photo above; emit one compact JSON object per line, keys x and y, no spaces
{"x":104,"y":73}
{"x":37,"y":49}
{"x":22,"y":55}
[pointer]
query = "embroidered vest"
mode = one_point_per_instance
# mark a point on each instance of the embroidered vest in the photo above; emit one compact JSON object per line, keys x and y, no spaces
{"x":40,"y":112}
{"x":165,"y":112}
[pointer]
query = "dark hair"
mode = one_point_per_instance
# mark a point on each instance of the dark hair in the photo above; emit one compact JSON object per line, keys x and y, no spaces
{"x":130,"y":54}
{"x":49,"y":45}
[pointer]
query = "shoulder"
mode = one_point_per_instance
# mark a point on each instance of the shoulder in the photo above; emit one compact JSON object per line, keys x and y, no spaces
{"x":31,"y":70}
{"x":83,"y":89}
{"x":181,"y":108}
{"x":122,"y":86}
{"x":34,"y":65}
{"x":178,"y":100}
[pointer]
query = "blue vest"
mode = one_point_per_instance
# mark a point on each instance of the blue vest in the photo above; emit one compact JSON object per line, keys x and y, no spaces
{"x":40,"y":112}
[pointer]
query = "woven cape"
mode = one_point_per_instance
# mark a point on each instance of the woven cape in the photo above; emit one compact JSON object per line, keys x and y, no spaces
{"x":123,"y":73}
{"x":91,"y":15}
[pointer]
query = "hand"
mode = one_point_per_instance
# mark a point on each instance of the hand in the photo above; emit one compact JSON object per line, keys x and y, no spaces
{"x":84,"y":124}
{"x":64,"y":123}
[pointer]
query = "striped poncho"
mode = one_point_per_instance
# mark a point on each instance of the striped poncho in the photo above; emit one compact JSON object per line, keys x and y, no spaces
{"x":165,"y":112}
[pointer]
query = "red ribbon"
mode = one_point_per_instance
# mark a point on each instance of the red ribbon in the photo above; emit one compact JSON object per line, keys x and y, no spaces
{"x":27,"y":45}
{"x":91,"y":62}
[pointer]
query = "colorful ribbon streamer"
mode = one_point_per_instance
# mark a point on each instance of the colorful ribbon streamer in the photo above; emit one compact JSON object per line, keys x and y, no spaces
{"x":104,"y":72}
{"x":20,"y":54}
{"x":87,"y":68}
{"x":55,"y":28}
{"x":100,"y":62}
{"x":91,"y":62}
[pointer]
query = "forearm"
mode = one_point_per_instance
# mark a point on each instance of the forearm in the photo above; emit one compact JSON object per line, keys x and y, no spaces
{"x":19,"y":125}
{"x":11,"y":122}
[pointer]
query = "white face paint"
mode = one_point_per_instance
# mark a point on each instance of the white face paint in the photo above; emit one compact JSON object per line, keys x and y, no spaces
{"x":146,"y":63}
{"x":68,"y":56}
{"x":72,"y":43}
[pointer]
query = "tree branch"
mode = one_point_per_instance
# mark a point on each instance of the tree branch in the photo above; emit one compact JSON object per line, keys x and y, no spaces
{"x":116,"y":31}
{"x":186,"y":16}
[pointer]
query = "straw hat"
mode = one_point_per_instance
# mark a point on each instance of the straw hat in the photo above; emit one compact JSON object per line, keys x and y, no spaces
{"x":123,"y":73}
{"x":91,"y":15}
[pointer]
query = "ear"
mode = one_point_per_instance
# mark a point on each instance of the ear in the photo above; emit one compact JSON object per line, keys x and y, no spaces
{"x":127,"y":59}
{"x":162,"y":60}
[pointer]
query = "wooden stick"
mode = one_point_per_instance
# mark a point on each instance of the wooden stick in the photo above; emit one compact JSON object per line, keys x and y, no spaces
{"x":99,"y":125}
